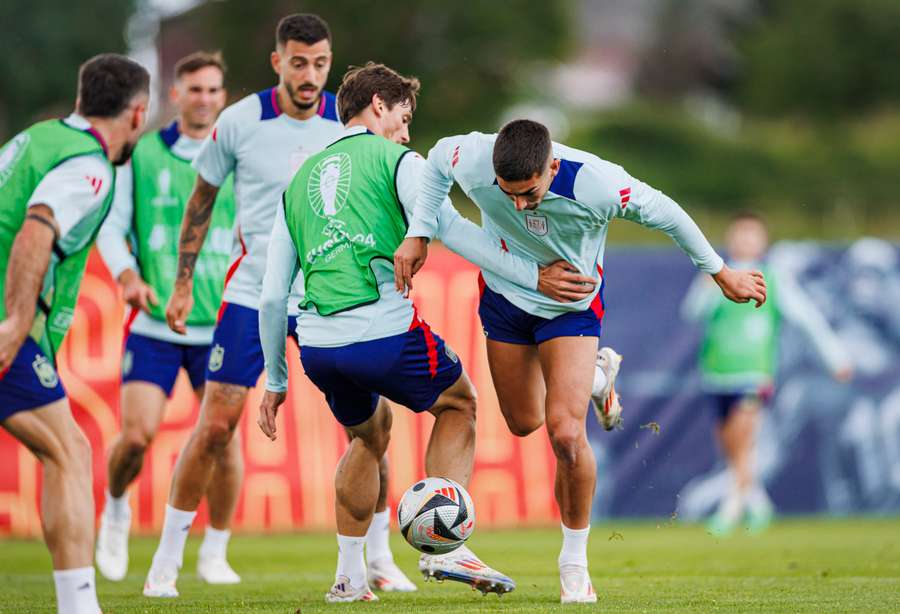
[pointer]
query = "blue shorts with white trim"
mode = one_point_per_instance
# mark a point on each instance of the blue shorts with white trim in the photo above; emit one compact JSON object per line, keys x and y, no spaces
{"x":157,"y":362}
{"x":236,"y":355}
{"x":30,"y":382}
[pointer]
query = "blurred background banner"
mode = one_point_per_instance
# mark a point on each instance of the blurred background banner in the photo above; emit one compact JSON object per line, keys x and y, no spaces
{"x":823,"y":448}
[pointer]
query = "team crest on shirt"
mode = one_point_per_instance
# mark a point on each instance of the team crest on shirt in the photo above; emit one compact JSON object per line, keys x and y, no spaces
{"x":536,"y":224}
{"x":11,"y":153}
{"x":45,"y":372}
{"x":216,"y":355}
{"x":329,"y":184}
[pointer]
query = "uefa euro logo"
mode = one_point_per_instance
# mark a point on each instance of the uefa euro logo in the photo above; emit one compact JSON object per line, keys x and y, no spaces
{"x":329,"y":185}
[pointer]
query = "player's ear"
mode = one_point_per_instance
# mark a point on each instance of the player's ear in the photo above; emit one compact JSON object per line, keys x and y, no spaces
{"x":139,"y":117}
{"x":173,"y":93}
{"x":554,"y":167}
{"x":378,"y":105}
{"x":275,"y":59}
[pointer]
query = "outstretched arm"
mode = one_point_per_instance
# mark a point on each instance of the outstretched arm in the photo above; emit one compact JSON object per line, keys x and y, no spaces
{"x":194,"y":227}
{"x":28,"y":262}
{"x":434,"y":180}
{"x":653,"y":209}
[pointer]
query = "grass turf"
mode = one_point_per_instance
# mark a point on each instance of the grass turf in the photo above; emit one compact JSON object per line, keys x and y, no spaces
{"x":799,"y":565}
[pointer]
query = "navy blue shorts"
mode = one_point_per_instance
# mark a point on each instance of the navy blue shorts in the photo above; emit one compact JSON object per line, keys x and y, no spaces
{"x":236,"y":355}
{"x":726,"y":403}
{"x":503,"y":321}
{"x":30,"y":382}
{"x":157,"y":362}
{"x":411,"y":369}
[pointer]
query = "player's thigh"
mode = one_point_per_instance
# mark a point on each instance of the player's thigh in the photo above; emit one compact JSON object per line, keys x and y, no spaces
{"x":568,"y":365}
{"x":460,"y":395}
{"x":51,"y":433}
{"x":519,"y":382}
{"x":376,"y":431}
{"x":143,"y":406}
{"x":222,"y":405}
{"x":382,"y":416}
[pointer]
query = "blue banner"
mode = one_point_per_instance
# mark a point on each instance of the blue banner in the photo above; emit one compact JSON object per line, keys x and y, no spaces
{"x":823,"y":446}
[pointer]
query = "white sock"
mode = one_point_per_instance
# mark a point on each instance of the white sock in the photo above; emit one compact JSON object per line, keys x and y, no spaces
{"x":599,"y":382}
{"x":176,"y":526}
{"x":215,"y":542}
{"x":350,"y":559}
{"x":757,"y":498}
{"x":76,"y":591}
{"x":574,"y":546}
{"x":731,"y":508}
{"x":378,"y":545}
{"x":117,"y":508}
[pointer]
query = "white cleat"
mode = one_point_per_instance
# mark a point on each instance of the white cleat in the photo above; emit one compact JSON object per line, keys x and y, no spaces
{"x":462,"y":565}
{"x":575,"y":585}
{"x":161,"y":579}
{"x":216,"y":570}
{"x":342,"y":592}
{"x":384,"y":575}
{"x":605,"y":398}
{"x":112,"y":547}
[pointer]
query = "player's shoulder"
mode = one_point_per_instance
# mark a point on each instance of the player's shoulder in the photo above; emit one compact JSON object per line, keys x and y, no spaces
{"x":246,"y":111}
{"x":471,"y":158}
{"x":586,"y":177}
{"x":328,"y":108}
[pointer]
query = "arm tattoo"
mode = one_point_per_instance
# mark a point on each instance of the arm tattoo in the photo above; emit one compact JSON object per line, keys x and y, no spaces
{"x":194,"y":227}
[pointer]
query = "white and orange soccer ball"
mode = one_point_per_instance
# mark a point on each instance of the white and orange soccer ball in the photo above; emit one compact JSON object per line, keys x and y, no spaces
{"x":436,"y":515}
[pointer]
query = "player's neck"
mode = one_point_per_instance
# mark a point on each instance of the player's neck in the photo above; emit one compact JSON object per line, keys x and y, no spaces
{"x":366,"y":121}
{"x":288,"y":107}
{"x":198,"y":133}
{"x":110,"y":135}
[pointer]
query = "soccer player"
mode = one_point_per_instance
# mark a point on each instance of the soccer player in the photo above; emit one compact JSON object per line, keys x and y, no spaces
{"x":546,"y":201}
{"x":738,"y":361}
{"x":55,"y":189}
{"x":149,"y":202}
{"x":344,"y":214}
{"x":262,"y":139}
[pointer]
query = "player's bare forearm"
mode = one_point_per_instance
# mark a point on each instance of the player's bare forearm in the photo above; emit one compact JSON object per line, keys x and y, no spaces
{"x":28,"y":262}
{"x":194,"y":227}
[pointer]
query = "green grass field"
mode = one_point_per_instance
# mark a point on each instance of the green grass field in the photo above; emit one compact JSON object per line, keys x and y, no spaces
{"x":800,"y":565}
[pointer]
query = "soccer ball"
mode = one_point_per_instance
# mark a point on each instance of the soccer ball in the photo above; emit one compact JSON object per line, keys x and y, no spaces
{"x":436,"y":515}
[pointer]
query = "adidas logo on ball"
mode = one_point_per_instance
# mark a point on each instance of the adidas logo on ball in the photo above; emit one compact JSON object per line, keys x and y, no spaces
{"x":436,"y":515}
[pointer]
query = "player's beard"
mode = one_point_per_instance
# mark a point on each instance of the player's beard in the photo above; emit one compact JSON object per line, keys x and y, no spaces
{"x":125,"y":154}
{"x":303,"y":106}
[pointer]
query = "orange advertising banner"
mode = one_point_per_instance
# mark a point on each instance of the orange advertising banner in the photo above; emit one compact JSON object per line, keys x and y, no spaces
{"x":288,"y":483}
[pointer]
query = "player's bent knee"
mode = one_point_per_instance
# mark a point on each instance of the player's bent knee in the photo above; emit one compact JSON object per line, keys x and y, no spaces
{"x":567,"y":439}
{"x":523,"y":428}
{"x":216,"y":435}
{"x":135,"y":442}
